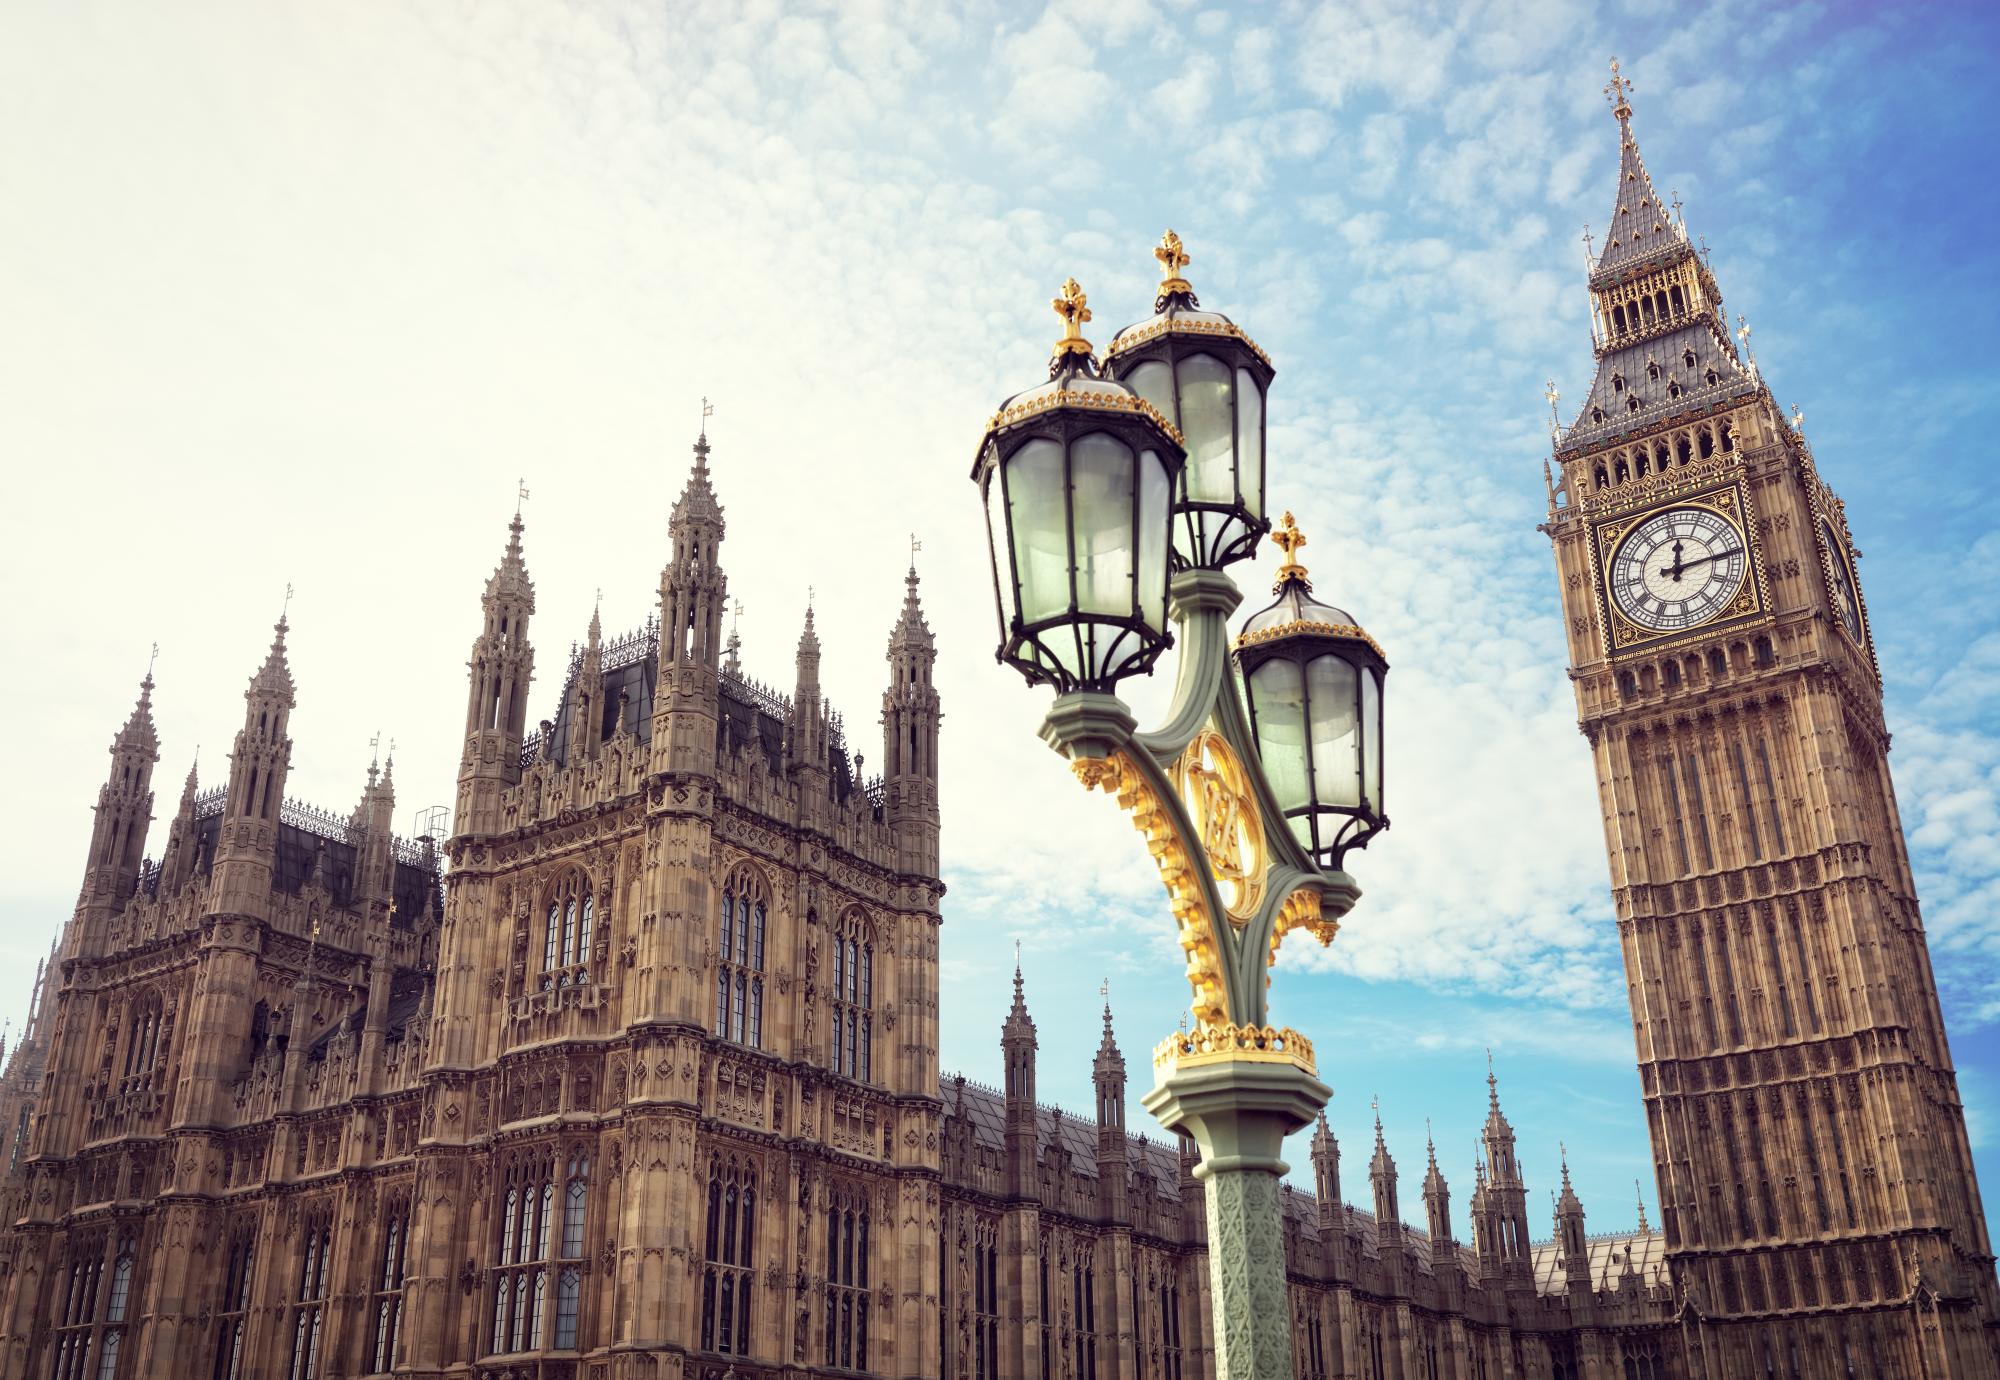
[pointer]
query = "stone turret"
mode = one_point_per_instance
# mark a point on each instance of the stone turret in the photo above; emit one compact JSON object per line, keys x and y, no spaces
{"x":502,"y":667}
{"x":124,"y":809}
{"x":1017,"y":1053}
{"x":693,"y":595}
{"x":1503,"y":1228}
{"x":1382,"y":1178}
{"x":259,"y":764}
{"x":1437,"y":1210}
{"x":910,"y":718}
{"x":1570,"y":1239}
{"x":1107,"y":1078}
{"x":1326,"y":1175}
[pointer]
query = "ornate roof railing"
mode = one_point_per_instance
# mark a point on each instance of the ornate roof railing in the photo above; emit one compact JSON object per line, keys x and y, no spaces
{"x":633,"y":646}
{"x":320,"y":823}
{"x":531,"y":747}
{"x":210,"y":802}
{"x":757,"y":695}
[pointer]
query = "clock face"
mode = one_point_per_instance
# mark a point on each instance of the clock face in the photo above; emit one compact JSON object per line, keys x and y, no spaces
{"x":1678,"y":569}
{"x":1845,"y":601}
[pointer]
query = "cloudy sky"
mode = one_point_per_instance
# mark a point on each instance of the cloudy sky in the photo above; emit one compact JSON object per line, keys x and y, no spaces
{"x":297,"y":293}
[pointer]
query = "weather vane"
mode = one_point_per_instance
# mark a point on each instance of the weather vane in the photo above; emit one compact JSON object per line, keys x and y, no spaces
{"x":520,"y":494}
{"x":286,"y":611}
{"x":152,"y":660}
{"x":707,"y":411}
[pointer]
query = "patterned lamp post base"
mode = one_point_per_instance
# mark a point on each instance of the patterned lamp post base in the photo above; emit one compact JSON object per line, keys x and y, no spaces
{"x":1239,"y":1109}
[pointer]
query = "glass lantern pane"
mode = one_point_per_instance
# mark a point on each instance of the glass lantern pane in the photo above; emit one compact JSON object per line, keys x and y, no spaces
{"x":1250,"y":442}
{"x":1207,"y":428}
{"x":1277,"y":699}
{"x":1101,"y":508}
{"x":1336,"y":737}
{"x":1371,"y":718}
{"x":1154,"y":382}
{"x":1153,"y":524}
{"x":1036,"y":496}
{"x":996,"y":538}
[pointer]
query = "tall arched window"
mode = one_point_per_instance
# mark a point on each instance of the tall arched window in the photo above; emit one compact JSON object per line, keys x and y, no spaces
{"x":853,"y":997}
{"x":234,"y":1310}
{"x":847,"y":1281}
{"x":739,"y":967}
{"x":521,"y":1279}
{"x":566,"y":940}
{"x":570,"y":1252}
{"x":388,"y":1282}
{"x":309,"y":1304}
{"x":729,"y":1258}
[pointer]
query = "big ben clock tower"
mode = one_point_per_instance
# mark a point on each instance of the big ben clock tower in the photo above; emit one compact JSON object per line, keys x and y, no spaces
{"x":1809,"y":1145}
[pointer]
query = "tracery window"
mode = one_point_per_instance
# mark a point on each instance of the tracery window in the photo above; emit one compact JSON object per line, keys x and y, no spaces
{"x":234,"y":1305}
{"x":847,"y":1282}
{"x":115,"y":1310}
{"x":1083,"y":1302}
{"x":308,"y":1314}
{"x":391,"y":1268}
{"x":566,"y":941}
{"x":570,"y":1249}
{"x":729,"y":1258}
{"x":71,"y":1342}
{"x":1169,"y":1288}
{"x":521,"y":1276}
{"x":739,"y":969}
{"x":986,"y":1302}
{"x":852,"y":998}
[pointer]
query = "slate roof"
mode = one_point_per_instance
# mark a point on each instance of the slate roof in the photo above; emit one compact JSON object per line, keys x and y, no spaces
{"x":1641,"y":224}
{"x":1670,"y":352}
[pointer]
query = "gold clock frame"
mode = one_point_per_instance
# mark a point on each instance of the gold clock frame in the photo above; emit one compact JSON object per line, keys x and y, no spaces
{"x":1619,"y":635}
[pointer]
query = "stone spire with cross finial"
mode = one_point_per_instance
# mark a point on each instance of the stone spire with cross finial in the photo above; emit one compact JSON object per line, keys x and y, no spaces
{"x":1017,"y":1053}
{"x":911,"y":719}
{"x":1382,"y":1177}
{"x":1107,"y":1078}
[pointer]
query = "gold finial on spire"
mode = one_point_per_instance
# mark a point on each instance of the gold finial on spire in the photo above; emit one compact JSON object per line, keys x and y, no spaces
{"x":1173,"y":257}
{"x":1289,"y":539}
{"x":1619,"y":91}
{"x":1074,"y":309}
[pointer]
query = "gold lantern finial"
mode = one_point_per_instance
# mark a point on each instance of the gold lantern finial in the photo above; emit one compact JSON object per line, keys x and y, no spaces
{"x":1173,"y":257}
{"x":1074,"y":309}
{"x":1289,"y":539}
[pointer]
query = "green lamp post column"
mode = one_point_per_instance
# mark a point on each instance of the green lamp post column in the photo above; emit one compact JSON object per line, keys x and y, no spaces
{"x":1110,"y":510}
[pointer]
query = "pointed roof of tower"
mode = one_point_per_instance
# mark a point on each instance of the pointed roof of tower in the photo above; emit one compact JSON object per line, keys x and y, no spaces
{"x":139,"y":733}
{"x":1641,"y":223}
{"x":1433,"y":1177}
{"x":510,"y":577}
{"x":809,"y":638}
{"x":1496,"y":1120}
{"x":697,"y":502}
{"x":191,"y":785}
{"x":1019,"y":1022}
{"x":1381,"y":1163}
{"x":1640,"y":1194}
{"x":274,"y":678}
{"x":1567,"y":1202}
{"x":1108,"y":1054}
{"x":911,"y":630}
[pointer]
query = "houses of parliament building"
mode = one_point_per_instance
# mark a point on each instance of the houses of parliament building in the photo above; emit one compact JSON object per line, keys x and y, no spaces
{"x":635,"y":1076}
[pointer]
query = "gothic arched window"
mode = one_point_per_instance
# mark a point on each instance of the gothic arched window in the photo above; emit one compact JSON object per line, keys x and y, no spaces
{"x":853,"y":998}
{"x":729,"y":1259}
{"x":308,"y":1317}
{"x":570,"y":1250}
{"x":847,"y":1282}
{"x":234,"y":1306}
{"x":391,"y":1269}
{"x":521,"y":1276}
{"x":566,"y":941}
{"x":739,"y":967}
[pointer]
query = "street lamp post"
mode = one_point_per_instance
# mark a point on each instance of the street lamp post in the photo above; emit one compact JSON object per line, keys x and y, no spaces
{"x":1115,"y":496}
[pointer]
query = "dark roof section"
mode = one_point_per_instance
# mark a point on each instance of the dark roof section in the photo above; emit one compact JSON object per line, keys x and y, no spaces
{"x":416,"y":885}
{"x":752,"y":714}
{"x":1630,"y":364}
{"x":1641,"y":225}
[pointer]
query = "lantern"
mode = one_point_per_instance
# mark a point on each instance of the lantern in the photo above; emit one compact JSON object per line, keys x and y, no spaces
{"x":1077,"y":476}
{"x":1209,"y":379}
{"x":1313,"y":683}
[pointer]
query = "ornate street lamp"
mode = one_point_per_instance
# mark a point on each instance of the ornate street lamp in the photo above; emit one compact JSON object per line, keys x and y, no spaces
{"x":1248,"y":808}
{"x":1313,"y":680}
{"x":1209,"y":379}
{"x":1077,"y":475}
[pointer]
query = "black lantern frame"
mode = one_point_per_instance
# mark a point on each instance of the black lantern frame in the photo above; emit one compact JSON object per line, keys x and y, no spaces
{"x":1080,"y":643}
{"x":1325,"y":825}
{"x":1211,"y":531}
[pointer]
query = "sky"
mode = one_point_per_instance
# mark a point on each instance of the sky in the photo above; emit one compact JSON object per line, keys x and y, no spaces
{"x":300,"y":294}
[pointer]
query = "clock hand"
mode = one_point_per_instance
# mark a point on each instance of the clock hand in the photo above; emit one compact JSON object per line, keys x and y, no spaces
{"x":1676,"y":573}
{"x":1714,"y":556}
